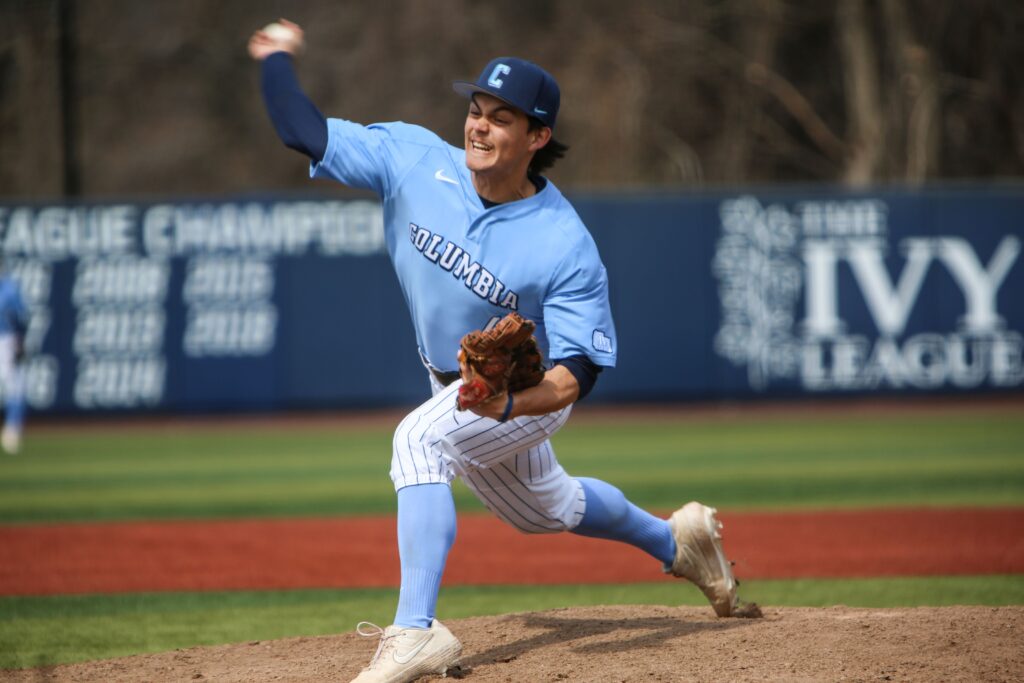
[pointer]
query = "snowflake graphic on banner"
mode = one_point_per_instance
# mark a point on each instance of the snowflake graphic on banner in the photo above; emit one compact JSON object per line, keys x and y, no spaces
{"x":759,"y":277}
{"x":774,"y":263}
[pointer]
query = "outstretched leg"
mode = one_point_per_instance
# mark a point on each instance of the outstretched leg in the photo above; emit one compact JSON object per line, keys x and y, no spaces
{"x":688,"y":544}
{"x":610,"y":515}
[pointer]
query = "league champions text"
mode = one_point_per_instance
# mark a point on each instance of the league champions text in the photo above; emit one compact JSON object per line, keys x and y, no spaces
{"x":130,"y":265}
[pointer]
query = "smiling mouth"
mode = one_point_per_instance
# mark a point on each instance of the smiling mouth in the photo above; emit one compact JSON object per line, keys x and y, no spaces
{"x":480,"y":147}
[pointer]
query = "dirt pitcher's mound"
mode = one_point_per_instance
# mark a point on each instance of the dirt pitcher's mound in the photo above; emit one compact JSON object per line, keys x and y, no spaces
{"x":634,"y":643}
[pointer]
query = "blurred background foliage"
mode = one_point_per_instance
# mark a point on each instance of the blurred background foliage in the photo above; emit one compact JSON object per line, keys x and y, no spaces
{"x":112,"y":98}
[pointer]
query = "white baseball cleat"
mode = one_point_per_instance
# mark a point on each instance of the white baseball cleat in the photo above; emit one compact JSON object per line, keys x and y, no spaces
{"x":10,"y":440}
{"x":699,"y":558}
{"x":405,"y":654}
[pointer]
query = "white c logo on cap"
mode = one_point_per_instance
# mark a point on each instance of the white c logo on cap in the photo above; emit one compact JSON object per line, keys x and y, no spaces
{"x":495,"y":80}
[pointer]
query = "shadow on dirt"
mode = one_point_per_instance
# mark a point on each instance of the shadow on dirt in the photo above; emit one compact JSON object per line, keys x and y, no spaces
{"x":651,"y":632}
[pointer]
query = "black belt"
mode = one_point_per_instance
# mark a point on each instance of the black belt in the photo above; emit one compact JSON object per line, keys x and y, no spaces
{"x":445,"y":378}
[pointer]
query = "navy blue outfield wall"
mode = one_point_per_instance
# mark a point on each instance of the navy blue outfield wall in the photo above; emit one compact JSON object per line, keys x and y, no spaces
{"x":281,"y":304}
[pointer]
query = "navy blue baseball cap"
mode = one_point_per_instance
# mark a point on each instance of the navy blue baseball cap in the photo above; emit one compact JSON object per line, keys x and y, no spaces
{"x":520,"y":83}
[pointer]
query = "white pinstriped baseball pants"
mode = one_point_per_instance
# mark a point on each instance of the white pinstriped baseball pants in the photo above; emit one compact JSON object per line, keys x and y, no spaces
{"x":510,"y":466}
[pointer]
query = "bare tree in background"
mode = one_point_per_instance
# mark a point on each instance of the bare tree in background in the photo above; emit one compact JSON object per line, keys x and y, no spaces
{"x":915,"y":90}
{"x":866,"y":136}
{"x":656,"y":93}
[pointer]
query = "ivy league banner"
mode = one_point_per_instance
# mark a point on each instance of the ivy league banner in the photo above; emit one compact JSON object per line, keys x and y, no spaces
{"x":265,"y":304}
{"x":813,"y":293}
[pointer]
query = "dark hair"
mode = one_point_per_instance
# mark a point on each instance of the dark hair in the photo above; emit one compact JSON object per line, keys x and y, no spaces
{"x":545,"y":157}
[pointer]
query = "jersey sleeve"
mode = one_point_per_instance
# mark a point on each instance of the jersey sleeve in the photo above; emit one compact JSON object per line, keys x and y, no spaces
{"x":577,"y":313}
{"x":373,"y":157}
{"x":298,"y":122}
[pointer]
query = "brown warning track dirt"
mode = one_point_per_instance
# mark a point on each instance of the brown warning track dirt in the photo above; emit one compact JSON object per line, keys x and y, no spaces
{"x":361,"y":552}
{"x":633,"y":644}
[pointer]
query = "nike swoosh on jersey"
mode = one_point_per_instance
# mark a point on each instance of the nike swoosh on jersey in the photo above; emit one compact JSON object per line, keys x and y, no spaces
{"x":404,"y":658}
{"x":439,"y":175}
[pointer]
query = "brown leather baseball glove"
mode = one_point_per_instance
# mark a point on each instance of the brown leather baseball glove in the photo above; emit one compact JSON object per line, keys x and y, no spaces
{"x":502,"y":359}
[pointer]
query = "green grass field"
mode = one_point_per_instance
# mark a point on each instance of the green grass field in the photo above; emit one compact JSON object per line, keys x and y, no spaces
{"x":756,"y":461}
{"x":738,"y":463}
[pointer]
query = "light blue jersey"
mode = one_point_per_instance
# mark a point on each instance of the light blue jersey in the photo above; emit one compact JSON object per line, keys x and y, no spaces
{"x":13,"y":313}
{"x":461,"y":266}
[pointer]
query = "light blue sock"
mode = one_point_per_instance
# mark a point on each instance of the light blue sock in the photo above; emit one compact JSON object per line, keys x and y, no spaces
{"x":610,"y":515}
{"x":426,"y":531}
{"x":15,"y":412}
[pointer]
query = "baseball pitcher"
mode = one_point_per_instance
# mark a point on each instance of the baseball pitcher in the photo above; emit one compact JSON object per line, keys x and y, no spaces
{"x":476,"y":233}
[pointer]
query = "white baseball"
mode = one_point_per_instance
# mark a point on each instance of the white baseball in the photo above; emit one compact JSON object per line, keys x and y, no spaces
{"x":281,"y":33}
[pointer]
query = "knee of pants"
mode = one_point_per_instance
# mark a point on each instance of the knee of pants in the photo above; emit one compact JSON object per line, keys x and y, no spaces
{"x":548,"y":505}
{"x":557,"y":527}
{"x":415,"y":458}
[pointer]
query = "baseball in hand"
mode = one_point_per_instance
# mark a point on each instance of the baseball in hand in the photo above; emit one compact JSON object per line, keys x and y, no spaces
{"x":280,"y":33}
{"x":279,"y":36}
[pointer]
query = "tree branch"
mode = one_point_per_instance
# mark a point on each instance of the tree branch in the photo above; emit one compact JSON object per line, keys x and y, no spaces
{"x":800,"y":109}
